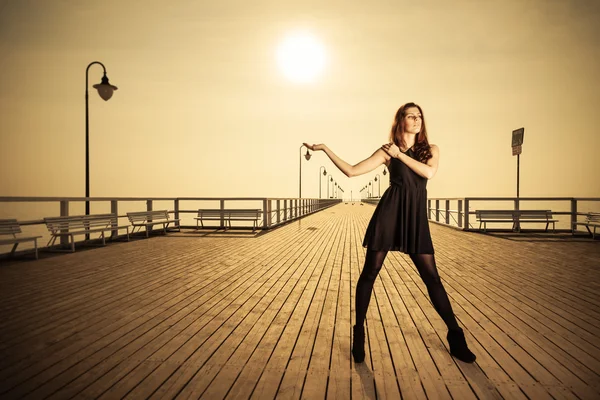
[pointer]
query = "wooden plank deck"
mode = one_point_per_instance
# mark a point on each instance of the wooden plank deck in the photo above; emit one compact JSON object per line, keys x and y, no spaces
{"x":190,"y":315}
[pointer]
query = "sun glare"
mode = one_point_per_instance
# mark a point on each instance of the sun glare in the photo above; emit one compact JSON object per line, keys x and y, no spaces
{"x":301,"y":58}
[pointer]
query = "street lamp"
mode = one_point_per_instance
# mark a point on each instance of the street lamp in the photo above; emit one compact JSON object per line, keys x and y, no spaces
{"x":371,"y":189}
{"x":324,"y":174}
{"x":307,"y":156}
{"x":378,"y":184}
{"x":329,"y":180}
{"x":335,"y":190}
{"x":105,"y":90}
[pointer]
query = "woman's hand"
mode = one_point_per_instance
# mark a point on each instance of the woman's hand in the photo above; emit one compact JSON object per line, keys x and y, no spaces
{"x":315,"y":147}
{"x":391,"y":149}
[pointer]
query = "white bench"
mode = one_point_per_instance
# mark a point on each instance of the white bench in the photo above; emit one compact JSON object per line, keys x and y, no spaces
{"x":12,"y":227}
{"x":82,"y":225}
{"x":591,"y":220}
{"x":515,"y":216}
{"x":245,"y":214}
{"x":148,"y":219}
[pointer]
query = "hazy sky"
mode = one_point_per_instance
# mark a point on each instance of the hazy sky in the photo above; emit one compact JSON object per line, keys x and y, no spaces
{"x":202,"y":109}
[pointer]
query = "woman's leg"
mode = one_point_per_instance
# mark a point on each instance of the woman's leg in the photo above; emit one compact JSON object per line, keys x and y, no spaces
{"x":425,"y":264}
{"x":364,"y":287}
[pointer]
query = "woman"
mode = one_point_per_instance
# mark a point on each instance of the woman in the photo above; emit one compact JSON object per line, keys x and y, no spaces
{"x":400,"y":221}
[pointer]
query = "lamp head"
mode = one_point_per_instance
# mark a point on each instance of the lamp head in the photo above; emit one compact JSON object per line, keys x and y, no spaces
{"x":384,"y":171}
{"x":105,"y":89}
{"x":375,"y":179}
{"x":325,"y":172}
{"x":307,"y":155}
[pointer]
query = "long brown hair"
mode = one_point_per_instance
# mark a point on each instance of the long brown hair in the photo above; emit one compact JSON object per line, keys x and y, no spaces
{"x":422,"y":148}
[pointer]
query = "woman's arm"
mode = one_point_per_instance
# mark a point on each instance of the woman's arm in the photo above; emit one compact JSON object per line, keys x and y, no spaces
{"x":426,"y":170}
{"x":367,"y":165}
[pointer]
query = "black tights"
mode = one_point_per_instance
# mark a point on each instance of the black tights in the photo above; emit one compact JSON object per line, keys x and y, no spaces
{"x":425,"y":264}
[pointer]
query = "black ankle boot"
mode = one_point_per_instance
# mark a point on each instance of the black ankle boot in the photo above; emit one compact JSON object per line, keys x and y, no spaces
{"x":358,"y":343}
{"x":458,"y":346}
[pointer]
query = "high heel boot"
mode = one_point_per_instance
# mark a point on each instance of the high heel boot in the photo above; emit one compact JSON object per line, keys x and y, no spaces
{"x":458,"y":346}
{"x":358,"y":343}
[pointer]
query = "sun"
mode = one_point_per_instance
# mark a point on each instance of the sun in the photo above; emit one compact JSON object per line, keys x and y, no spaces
{"x":301,"y":57}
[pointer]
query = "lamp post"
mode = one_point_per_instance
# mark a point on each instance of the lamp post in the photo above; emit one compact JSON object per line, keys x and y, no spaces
{"x":329,"y":180}
{"x":307,"y":156}
{"x":105,"y":90}
{"x":335,"y":190}
{"x":324,"y":174}
{"x":378,"y":180}
{"x":370,"y":183}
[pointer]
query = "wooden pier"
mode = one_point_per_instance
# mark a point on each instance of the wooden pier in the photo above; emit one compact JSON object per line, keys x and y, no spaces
{"x":238,"y":315}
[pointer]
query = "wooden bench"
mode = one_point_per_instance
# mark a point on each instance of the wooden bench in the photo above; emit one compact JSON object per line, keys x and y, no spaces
{"x":12,"y":227}
{"x":148,"y":219}
{"x":246,"y":214}
{"x":591,"y":220}
{"x":83,"y":225}
{"x":516,"y":217}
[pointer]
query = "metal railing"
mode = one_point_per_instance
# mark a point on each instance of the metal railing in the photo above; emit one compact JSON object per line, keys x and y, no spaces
{"x":274,"y":211}
{"x":456,"y":212}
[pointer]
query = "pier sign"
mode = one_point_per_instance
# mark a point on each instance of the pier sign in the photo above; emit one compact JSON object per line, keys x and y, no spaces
{"x":517,"y":141}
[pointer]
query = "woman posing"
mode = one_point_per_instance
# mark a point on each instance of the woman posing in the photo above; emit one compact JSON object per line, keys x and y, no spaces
{"x":399,"y":223}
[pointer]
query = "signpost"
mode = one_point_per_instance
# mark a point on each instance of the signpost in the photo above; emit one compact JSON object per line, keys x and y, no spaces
{"x":517,"y":143}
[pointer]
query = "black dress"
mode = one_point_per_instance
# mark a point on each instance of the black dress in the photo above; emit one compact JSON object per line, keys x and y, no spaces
{"x":400,"y":222}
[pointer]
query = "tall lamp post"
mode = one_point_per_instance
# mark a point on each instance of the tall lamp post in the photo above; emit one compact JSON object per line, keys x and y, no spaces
{"x":324,"y":174}
{"x":335,"y":190}
{"x":378,"y":180}
{"x":307,"y":156}
{"x":371,"y":189}
{"x":105,"y":90}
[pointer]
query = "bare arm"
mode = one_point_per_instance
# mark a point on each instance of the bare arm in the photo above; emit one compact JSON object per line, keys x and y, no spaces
{"x":366,"y":165}
{"x":426,"y":170}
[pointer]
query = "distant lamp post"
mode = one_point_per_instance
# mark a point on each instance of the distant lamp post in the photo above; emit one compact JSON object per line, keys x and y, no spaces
{"x":324,"y":174}
{"x":328,"y":181}
{"x":105,"y":90}
{"x":370,"y":183}
{"x":335,"y":190}
{"x":307,"y":156}
{"x":378,"y":180}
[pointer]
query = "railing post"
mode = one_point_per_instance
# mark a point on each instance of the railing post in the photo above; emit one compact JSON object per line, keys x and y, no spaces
{"x":460,"y":213}
{"x":149,"y":208}
{"x":222,"y":207}
{"x":114,"y":209}
{"x":467,"y":227}
{"x":428,"y":209}
{"x":176,"y":208}
{"x":278,"y":211}
{"x":266,"y":213}
{"x":573,"y":214}
{"x":437,"y":211}
{"x":447,"y":212}
{"x":285,"y":210}
{"x":64,"y":212}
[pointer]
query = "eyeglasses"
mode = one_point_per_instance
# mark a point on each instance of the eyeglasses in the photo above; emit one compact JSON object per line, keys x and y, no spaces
{"x":414,"y":118}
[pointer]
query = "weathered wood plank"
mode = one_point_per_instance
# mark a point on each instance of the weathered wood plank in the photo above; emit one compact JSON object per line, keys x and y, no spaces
{"x":194,"y":316}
